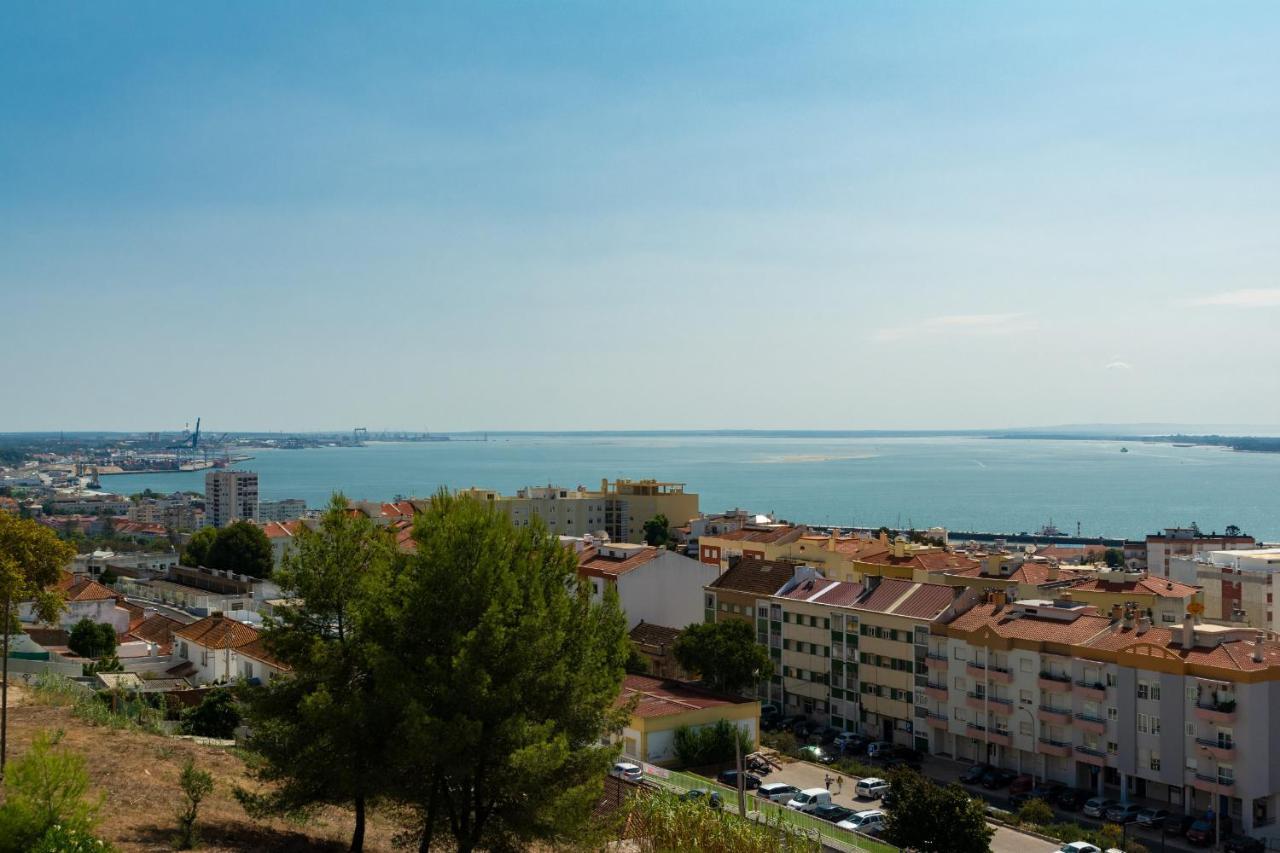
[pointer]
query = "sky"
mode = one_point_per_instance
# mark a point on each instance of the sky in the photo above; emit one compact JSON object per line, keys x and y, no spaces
{"x":297,"y":216}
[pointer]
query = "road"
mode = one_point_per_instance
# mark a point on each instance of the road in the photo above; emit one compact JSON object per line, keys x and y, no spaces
{"x":1011,"y":841}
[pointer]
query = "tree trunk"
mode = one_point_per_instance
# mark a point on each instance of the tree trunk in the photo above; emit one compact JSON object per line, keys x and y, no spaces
{"x":357,"y":837}
{"x":429,"y":825}
{"x":4,"y":692}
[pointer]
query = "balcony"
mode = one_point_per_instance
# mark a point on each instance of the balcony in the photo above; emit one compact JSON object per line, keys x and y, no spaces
{"x":990,"y":735}
{"x":976,"y":670}
{"x":933,"y":661}
{"x":938,"y":721}
{"x":1055,"y":716}
{"x":936,"y":691}
{"x":1057,"y":748}
{"x":1000,"y":675}
{"x":1054,"y":683}
{"x":1003,"y":707}
{"x":1095,"y":690}
{"x":1224,"y":750}
{"x":1090,"y":755}
{"x":1090,"y":723}
{"x":1214,"y":784}
{"x":1220,"y":712}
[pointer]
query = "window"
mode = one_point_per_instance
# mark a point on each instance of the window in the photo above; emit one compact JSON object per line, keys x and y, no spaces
{"x":1113,"y":713}
{"x":1111,"y":679}
{"x":1024,"y":727}
{"x":762,"y":612}
{"x":204,"y":657}
{"x":961,"y":714}
{"x":959,"y":682}
{"x":1113,"y":747}
{"x":1154,"y":761}
{"x":1025,"y":665}
{"x":1024,"y":696}
{"x":1191,"y":762}
{"x":1144,"y":690}
{"x":1193,"y":693}
{"x":1144,"y":724}
{"x":1155,"y":725}
{"x":1155,"y":691}
{"x":959,"y":652}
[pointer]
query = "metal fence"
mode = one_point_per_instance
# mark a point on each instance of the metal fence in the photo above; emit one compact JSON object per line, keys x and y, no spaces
{"x":827,"y":833}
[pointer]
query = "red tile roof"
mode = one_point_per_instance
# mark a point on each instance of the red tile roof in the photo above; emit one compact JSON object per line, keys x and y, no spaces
{"x":660,"y":697}
{"x":281,"y":529}
{"x":1029,"y":572}
{"x":218,"y":632}
{"x":758,"y":534}
{"x":156,"y":628}
{"x":908,"y":598}
{"x":929,"y":561}
{"x":650,"y":634}
{"x":87,"y":590}
{"x":595,"y":561}
{"x":1146,"y":585}
{"x":1000,"y":620}
{"x":257,"y":649}
{"x":824,"y":591}
{"x":762,"y":577}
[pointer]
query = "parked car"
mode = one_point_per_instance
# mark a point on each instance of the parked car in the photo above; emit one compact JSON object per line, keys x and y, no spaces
{"x":809,"y":799}
{"x":750,"y":781}
{"x":1022,"y":784}
{"x":1070,"y":799}
{"x":1079,"y":847}
{"x":874,"y":748}
{"x":826,"y":734}
{"x":1097,"y":806}
{"x":1152,"y":818}
{"x":778,"y":792}
{"x":1048,"y":791}
{"x":868,"y":822}
{"x":974,"y":774}
{"x":702,"y":795}
{"x":1178,"y":824}
{"x":850,"y":743}
{"x":1243,"y":844}
{"x":870,"y":788}
{"x":832,"y":813}
{"x":818,"y":754}
{"x":627,"y":770}
{"x":1200,"y":833}
{"x":997,"y":778}
{"x":900,"y":756}
{"x":1123,"y":813}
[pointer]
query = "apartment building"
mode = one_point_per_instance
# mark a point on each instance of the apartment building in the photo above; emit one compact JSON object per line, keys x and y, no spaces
{"x":745,"y":592}
{"x":619,"y":509}
{"x":230,"y":496}
{"x":1239,"y":586}
{"x":1189,"y":542}
{"x":847,"y":558}
{"x":282,"y":510}
{"x":1180,"y":714}
{"x":653,"y":584}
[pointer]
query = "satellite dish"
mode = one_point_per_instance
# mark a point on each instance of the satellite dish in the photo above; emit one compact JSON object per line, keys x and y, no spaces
{"x":1028,"y":549}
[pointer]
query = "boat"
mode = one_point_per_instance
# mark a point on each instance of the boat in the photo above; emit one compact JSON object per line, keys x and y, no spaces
{"x":1124,"y":450}
{"x":1049,"y":530}
{"x":1182,"y":444}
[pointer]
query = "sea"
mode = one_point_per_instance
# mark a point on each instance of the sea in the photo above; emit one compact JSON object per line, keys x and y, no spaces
{"x":961,"y":483}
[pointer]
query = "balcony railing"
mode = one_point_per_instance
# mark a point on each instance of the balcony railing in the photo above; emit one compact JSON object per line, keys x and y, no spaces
{"x":1091,"y":718}
{"x":1090,"y":685}
{"x":1056,"y":676}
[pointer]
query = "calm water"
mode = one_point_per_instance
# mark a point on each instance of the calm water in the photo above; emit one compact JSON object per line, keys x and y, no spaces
{"x":960,"y":483}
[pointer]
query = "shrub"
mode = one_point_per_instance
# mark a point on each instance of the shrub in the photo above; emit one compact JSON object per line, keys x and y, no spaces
{"x":46,"y":789}
{"x":196,"y":785}
{"x":712,"y":744}
{"x":65,"y":839}
{"x":91,"y":639}
{"x":216,"y":716}
{"x":784,"y":742}
{"x":1035,"y":812}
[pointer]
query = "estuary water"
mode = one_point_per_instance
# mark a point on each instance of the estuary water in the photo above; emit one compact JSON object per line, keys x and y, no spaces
{"x":962,"y":483}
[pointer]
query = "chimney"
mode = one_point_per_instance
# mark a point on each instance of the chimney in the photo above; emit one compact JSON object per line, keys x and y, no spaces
{"x":999,"y":599}
{"x":1144,"y":625}
{"x":991,"y":566}
{"x":884,"y":538}
{"x":1128,"y":615}
{"x":1188,"y":630}
{"x":831,"y":540}
{"x":1053,"y":571}
{"x":1257,"y":647}
{"x":899,"y":548}
{"x":1117,"y":611}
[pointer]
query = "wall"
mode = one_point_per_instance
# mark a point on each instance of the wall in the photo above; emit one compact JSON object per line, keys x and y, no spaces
{"x":667,"y":590}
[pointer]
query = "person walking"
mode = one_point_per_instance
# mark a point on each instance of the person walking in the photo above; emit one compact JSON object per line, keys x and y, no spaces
{"x":839,"y":784}
{"x":826,"y":780}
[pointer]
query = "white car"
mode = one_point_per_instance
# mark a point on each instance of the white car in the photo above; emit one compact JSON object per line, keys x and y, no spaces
{"x":871,"y":788}
{"x":627,"y":770}
{"x":1079,"y":847}
{"x":809,"y":799}
{"x":777,"y":792}
{"x":869,"y":822}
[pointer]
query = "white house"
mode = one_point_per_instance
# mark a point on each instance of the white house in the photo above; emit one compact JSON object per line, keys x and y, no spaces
{"x":654,"y":585}
{"x":210,"y":648}
{"x":85,"y":599}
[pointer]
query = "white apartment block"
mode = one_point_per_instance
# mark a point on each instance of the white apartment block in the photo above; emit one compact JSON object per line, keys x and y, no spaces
{"x":283,"y":510}
{"x":1239,"y":586}
{"x":230,"y":496}
{"x":1189,"y":542}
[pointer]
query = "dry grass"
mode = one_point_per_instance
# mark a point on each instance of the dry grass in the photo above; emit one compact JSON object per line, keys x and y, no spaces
{"x":138,"y":773}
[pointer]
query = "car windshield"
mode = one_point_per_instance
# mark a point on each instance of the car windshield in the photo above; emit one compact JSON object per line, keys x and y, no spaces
{"x":803,"y":798}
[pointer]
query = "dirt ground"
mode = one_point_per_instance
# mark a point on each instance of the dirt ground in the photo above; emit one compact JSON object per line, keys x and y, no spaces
{"x":138,"y":774}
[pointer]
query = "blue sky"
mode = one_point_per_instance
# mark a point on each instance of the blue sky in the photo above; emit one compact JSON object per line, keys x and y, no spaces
{"x":657,"y":215}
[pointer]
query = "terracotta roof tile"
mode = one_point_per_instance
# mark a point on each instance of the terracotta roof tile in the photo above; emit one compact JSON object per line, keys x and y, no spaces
{"x":752,"y":533}
{"x":650,"y":634}
{"x":1000,"y":619}
{"x":257,"y":649}
{"x":595,"y":561}
{"x":662,"y":698}
{"x":762,"y":577}
{"x":87,"y":590}
{"x":157,"y":629}
{"x":217,"y":632}
{"x":908,"y":598}
{"x":1146,"y":585}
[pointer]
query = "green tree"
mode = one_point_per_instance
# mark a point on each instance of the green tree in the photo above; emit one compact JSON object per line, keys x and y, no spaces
{"x":241,"y":547}
{"x":508,"y":676}
{"x":714,"y":744}
{"x":197,"y":551}
{"x":637,"y":663}
{"x":196,"y":785}
{"x":1036,"y":812}
{"x":108,"y":576}
{"x":322,"y":731}
{"x":927,"y":817}
{"x":657,"y":531}
{"x":91,"y":639}
{"x":217,"y":715}
{"x":725,"y":654}
{"x":1114,"y":558}
{"x":31,"y":556}
{"x":46,"y":787}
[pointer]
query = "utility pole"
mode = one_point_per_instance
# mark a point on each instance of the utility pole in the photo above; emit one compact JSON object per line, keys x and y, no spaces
{"x":741,"y":778}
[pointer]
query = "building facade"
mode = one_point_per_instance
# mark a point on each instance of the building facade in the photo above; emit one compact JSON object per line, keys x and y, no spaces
{"x":1239,"y":586}
{"x":230,"y":496}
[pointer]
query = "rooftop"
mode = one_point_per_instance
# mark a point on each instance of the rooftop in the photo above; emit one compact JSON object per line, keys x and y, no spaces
{"x":614,"y":558}
{"x":659,"y":697}
{"x":217,"y":632}
{"x":751,"y":575}
{"x":908,"y":598}
{"x":650,"y":634}
{"x":754,"y":533}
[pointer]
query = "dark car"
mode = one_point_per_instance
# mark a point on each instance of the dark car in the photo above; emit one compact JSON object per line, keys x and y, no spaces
{"x":1243,"y":844}
{"x":974,"y":774}
{"x":750,"y":781}
{"x":825,"y":735}
{"x":1178,"y":824}
{"x":1200,"y":833}
{"x":1048,"y":791}
{"x":996,"y":778}
{"x":833,"y":813}
{"x":1070,"y":799}
{"x":702,"y":795}
{"x":851,"y":744}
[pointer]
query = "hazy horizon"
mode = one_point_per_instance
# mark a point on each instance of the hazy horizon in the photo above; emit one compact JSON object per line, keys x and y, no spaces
{"x":584,"y":216}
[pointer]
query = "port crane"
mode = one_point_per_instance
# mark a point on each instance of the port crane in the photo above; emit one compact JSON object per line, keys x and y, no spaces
{"x":191,"y":442}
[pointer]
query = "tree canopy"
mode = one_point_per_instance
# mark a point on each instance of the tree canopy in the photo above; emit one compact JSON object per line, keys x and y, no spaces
{"x":928,"y":817}
{"x":657,"y":531}
{"x":91,"y":639}
{"x":239,"y":547}
{"x":725,"y":654}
